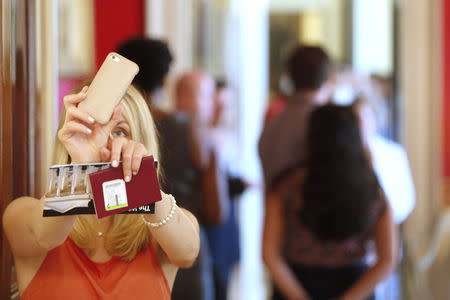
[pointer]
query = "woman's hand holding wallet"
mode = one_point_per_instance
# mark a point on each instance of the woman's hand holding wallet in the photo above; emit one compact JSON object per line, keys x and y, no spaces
{"x":129,"y":151}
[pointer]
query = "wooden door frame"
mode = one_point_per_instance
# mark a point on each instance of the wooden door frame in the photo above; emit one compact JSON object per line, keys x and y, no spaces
{"x":17,"y":123}
{"x":6,"y":185}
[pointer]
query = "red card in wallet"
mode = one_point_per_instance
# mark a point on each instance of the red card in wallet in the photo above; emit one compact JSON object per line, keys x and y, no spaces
{"x":113,"y":195}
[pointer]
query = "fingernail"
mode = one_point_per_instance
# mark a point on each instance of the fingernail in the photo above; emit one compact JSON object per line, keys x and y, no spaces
{"x":127,"y":178}
{"x":91,"y":119}
{"x":115,"y":163}
{"x":88,"y":130}
{"x":134,"y":173}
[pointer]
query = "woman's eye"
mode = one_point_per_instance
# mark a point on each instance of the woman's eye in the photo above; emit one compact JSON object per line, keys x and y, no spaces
{"x":119,"y":133}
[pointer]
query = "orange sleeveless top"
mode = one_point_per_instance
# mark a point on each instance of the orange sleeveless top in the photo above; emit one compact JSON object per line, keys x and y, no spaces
{"x":68,"y":273}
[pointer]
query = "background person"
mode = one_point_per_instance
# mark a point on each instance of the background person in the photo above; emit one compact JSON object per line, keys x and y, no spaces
{"x":320,"y":216}
{"x":223,"y":239}
{"x":309,"y":70}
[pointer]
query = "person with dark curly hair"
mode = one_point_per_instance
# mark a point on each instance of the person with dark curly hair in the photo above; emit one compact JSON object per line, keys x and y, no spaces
{"x":321,"y":215}
{"x":153,"y":57}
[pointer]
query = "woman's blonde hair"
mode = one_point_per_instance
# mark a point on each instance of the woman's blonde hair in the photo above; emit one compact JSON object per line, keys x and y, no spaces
{"x":127,"y":234}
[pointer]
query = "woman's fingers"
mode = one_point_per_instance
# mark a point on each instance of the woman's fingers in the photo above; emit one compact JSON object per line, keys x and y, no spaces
{"x":84,"y":89}
{"x":74,"y":113}
{"x":71,"y":100}
{"x":71,"y":128}
{"x":116,"y":150}
{"x":127,"y":155}
{"x":139,"y":152}
{"x":131,"y":154}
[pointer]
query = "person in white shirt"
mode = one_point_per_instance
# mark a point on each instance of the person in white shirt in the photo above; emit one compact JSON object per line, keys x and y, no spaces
{"x":390,"y":162}
{"x":389,"y":158}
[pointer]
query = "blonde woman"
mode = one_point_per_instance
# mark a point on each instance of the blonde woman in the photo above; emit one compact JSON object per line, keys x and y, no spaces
{"x":118,"y":257}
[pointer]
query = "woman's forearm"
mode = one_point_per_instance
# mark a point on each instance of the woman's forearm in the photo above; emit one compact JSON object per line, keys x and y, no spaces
{"x":367,"y":283}
{"x":29,"y":233}
{"x":179,"y":236}
{"x":53,"y":231}
{"x":386,"y":250}
{"x":284,"y":279}
{"x":50,"y":232}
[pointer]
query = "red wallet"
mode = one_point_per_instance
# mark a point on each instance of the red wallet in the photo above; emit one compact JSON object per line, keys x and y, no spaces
{"x":112,"y":195}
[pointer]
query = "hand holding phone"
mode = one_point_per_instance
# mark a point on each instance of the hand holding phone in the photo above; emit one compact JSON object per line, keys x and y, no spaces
{"x":80,"y":135}
{"x":108,"y":87}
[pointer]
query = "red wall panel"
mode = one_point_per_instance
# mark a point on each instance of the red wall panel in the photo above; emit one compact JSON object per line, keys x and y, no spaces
{"x":116,"y":20}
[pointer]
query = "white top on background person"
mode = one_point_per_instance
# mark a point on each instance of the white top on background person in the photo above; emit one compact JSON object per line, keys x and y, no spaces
{"x":391,"y":165}
{"x":389,"y":158}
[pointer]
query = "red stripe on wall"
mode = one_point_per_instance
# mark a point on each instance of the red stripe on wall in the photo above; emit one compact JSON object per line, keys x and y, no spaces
{"x":446,"y":84}
{"x":116,"y":20}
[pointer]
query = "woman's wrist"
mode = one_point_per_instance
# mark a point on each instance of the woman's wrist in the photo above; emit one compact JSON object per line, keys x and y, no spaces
{"x":163,"y":209}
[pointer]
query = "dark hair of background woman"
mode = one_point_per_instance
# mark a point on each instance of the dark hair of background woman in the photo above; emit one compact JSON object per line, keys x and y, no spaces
{"x":340,"y":189}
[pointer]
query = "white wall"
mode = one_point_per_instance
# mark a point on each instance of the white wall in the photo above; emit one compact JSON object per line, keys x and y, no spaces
{"x":173,"y":21}
{"x":247,"y":68}
{"x":372,"y":36}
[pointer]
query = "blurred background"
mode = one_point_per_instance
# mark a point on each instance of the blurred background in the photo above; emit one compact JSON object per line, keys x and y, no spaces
{"x":49,"y":46}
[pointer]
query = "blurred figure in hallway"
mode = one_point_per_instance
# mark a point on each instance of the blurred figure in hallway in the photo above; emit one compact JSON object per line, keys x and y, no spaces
{"x":195,"y":105}
{"x":396,"y":182}
{"x":320,"y":216}
{"x":282,"y":142}
{"x":224,"y":239}
{"x":189,"y":164}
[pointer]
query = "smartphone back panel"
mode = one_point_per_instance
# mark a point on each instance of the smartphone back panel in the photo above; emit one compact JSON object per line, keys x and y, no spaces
{"x":108,"y":87}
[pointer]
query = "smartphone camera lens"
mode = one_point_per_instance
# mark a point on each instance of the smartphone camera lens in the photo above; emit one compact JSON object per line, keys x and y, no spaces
{"x":115,"y":58}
